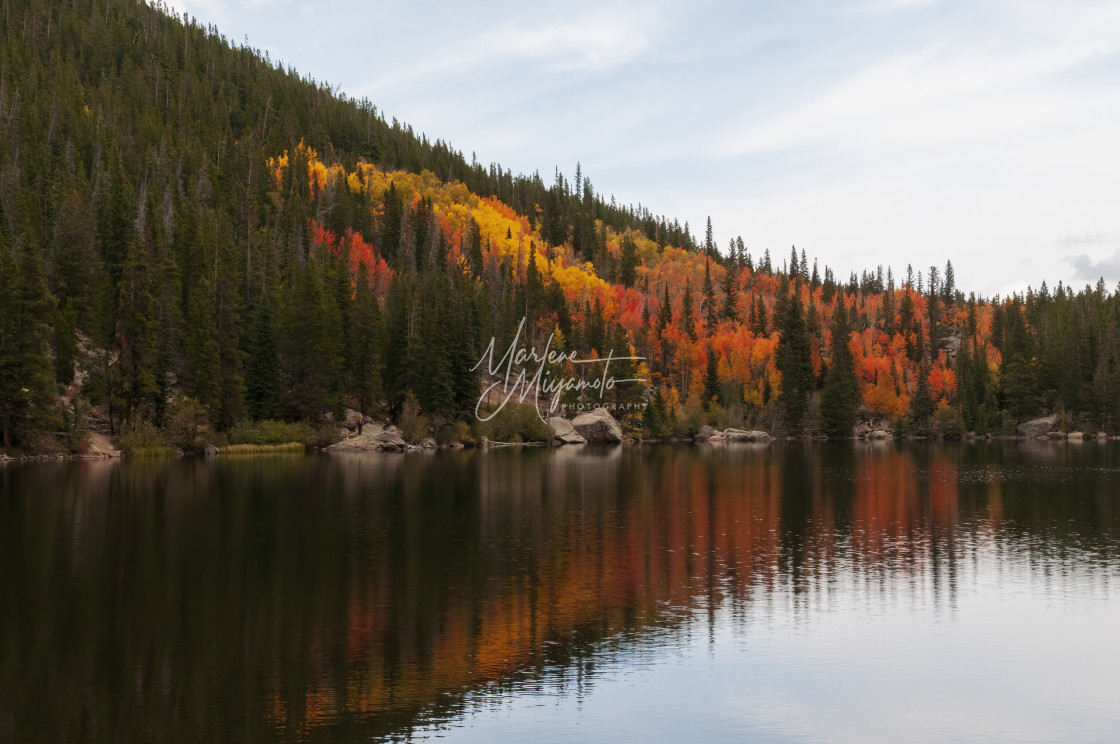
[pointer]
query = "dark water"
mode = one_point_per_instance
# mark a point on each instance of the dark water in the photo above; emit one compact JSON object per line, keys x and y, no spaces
{"x":824,"y":593}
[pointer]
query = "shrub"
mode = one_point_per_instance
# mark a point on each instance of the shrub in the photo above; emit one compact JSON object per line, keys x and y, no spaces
{"x":140,"y":438}
{"x":186,"y":421}
{"x":516,"y":422}
{"x":947,"y":421}
{"x":414,"y":425}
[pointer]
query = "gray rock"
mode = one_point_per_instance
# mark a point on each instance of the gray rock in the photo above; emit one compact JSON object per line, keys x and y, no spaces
{"x":209,"y":450}
{"x":1039,"y":426}
{"x":352,"y":418}
{"x":738,"y":435}
{"x":429,"y":443}
{"x":598,"y":425}
{"x":372,"y":440}
{"x":706,"y":432}
{"x":1076,"y":436}
{"x":563,"y":431}
{"x":880,"y":434}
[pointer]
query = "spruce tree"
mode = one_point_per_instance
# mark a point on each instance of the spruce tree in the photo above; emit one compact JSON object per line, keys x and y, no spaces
{"x":687,"y":319}
{"x":793,"y":357}
{"x":730,"y":297}
{"x":711,"y":380}
{"x":840,"y":397}
{"x":262,"y":370}
{"x":921,"y":404}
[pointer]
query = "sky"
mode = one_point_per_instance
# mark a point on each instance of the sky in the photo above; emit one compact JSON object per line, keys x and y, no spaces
{"x":864,"y":132}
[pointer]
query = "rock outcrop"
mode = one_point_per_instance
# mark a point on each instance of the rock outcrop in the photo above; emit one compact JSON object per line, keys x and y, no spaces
{"x":1039,"y":426}
{"x":101,"y":446}
{"x":598,"y":425}
{"x":738,"y":435}
{"x":563,"y":431}
{"x":373,"y":439}
{"x":706,"y":433}
{"x":352,"y":418}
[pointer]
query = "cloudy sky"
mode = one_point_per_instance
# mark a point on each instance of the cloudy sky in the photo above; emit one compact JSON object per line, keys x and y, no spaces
{"x":866,"y":132}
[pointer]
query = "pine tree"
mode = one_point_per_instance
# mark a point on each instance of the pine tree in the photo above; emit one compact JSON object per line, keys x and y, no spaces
{"x":711,"y":307}
{"x":26,"y":374}
{"x":711,"y":380}
{"x":760,"y":324}
{"x":730,"y":297}
{"x":921,"y":403}
{"x":793,"y":357}
{"x":840,"y":397}
{"x":687,"y":319}
{"x":262,"y":393}
{"x":628,"y":262}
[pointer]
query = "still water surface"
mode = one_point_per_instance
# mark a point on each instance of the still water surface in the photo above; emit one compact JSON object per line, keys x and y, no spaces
{"x":801,"y":593}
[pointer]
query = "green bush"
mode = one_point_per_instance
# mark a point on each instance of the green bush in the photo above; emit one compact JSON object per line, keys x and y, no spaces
{"x":516,"y":422}
{"x":140,"y":438}
{"x":414,"y":425}
{"x":186,"y":421}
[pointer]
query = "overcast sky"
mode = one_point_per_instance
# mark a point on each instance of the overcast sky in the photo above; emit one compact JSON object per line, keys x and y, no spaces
{"x":986,"y":132}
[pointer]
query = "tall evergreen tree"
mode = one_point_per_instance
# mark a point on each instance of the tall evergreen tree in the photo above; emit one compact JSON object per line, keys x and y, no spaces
{"x":793,"y":357}
{"x":840,"y":397}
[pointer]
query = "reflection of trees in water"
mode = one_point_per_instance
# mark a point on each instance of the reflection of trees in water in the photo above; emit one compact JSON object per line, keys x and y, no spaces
{"x":289,"y":597}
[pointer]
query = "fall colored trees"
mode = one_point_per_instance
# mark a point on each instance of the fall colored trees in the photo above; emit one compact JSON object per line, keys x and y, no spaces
{"x":267,"y":248}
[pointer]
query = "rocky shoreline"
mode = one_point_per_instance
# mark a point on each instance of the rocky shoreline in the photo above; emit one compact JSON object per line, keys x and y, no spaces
{"x":598,"y":426}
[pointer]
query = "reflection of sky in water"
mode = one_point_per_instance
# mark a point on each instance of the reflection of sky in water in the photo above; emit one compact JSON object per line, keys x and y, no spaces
{"x":1017,"y":657}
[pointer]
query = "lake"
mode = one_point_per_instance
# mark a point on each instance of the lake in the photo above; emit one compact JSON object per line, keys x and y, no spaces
{"x":792,"y":593}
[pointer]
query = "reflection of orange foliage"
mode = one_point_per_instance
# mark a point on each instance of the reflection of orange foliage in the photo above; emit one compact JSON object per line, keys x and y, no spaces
{"x":695,"y":532}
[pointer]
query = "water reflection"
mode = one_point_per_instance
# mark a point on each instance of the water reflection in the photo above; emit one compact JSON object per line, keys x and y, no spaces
{"x":318,"y":598}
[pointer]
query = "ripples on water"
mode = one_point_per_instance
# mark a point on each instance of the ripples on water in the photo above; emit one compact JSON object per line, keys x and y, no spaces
{"x":785,"y":594}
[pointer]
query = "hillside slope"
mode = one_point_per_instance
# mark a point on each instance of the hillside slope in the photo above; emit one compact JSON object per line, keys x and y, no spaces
{"x":187,"y":230}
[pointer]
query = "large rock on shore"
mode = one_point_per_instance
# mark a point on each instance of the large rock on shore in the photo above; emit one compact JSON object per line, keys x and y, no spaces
{"x":706,"y":432}
{"x":738,"y":435}
{"x":373,"y":439}
{"x":598,"y":425}
{"x":563,"y":431}
{"x":1039,"y":426}
{"x":101,"y":446}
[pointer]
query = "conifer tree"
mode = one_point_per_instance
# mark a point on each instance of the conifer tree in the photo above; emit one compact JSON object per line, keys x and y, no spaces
{"x":262,"y":370}
{"x":730,"y":297}
{"x":840,"y":397}
{"x":711,"y":380}
{"x":687,"y":319}
{"x":793,"y":357}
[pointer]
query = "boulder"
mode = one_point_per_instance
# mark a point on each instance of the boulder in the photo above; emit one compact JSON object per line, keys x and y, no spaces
{"x":373,"y":439}
{"x":1101,"y":436}
{"x":705,"y":433}
{"x":101,"y":446}
{"x":1037,"y":427}
{"x":352,"y":418}
{"x":209,"y":450}
{"x":563,"y":431}
{"x":1076,"y":436}
{"x":880,"y":434}
{"x":598,"y":425}
{"x":429,"y":443}
{"x":738,"y":435}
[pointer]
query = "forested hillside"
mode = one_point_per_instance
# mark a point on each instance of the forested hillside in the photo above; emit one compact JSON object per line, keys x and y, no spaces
{"x":188,"y":231}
